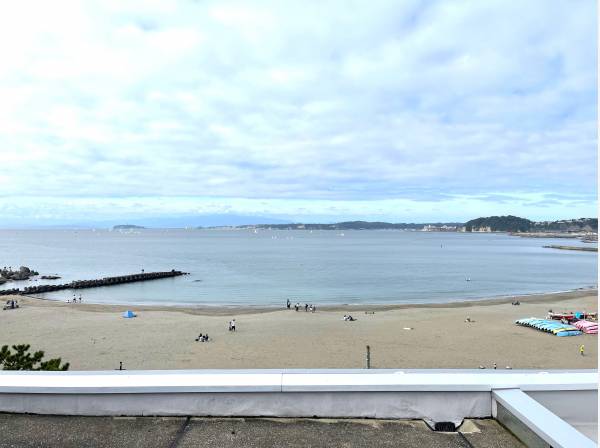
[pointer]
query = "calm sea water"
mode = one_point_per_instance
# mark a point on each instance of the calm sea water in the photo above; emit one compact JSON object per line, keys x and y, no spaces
{"x":323,"y":267}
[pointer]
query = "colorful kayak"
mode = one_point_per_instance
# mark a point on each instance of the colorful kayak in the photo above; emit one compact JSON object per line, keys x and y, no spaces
{"x":586,"y":326}
{"x":550,"y":326}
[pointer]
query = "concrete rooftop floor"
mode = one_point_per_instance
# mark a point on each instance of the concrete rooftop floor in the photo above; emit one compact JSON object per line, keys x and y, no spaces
{"x":170,"y":432}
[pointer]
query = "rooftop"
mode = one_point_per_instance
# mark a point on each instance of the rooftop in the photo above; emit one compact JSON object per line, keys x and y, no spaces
{"x":19,"y":430}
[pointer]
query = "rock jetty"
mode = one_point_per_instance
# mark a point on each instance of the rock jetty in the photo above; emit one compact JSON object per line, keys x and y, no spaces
{"x":106,"y":281}
{"x":582,"y":248}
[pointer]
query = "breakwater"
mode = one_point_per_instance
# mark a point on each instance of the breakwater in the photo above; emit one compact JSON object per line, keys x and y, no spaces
{"x":106,"y":281}
{"x":584,"y":249}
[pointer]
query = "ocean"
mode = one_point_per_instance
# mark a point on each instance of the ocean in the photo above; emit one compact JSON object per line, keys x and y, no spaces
{"x":266,"y":267}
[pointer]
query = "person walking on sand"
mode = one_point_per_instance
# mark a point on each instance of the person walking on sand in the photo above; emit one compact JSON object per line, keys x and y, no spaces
{"x":306,"y":307}
{"x":232,"y":324}
{"x":288,"y":304}
{"x":296,"y":307}
{"x":581,"y":349}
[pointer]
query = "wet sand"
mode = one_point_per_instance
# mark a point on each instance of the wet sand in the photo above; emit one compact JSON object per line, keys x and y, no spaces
{"x":95,"y":337}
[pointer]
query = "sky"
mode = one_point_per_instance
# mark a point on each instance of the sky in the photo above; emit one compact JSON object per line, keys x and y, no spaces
{"x":316,"y":111}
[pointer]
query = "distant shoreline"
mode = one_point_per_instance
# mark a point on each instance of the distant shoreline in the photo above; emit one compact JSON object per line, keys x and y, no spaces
{"x":244,"y":309}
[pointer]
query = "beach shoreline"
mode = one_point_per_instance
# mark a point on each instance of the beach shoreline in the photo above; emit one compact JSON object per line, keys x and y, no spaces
{"x":97,"y":337}
{"x":354,"y":307}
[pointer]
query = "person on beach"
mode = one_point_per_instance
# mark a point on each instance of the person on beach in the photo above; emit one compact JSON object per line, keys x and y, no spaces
{"x":581,"y":349}
{"x":232,"y":325}
{"x":296,"y":306}
{"x":202,"y":338}
{"x":306,"y":307}
{"x":288,"y":304}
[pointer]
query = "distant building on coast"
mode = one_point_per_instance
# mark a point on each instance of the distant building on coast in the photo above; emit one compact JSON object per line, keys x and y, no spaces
{"x":482,"y":229}
{"x":443,"y":228}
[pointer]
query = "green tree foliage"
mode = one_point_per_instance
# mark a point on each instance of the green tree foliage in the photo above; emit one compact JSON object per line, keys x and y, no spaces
{"x":500,"y":224}
{"x":21,"y":359}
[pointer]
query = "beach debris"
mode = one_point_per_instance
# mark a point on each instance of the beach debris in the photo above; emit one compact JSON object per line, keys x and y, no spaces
{"x":129,"y":314}
{"x":481,"y":367}
{"x":508,"y":367}
{"x":348,"y":318}
{"x":408,"y":328}
{"x":469,"y":320}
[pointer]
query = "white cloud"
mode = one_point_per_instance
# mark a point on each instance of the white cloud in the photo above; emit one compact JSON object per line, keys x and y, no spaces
{"x":316,"y":102}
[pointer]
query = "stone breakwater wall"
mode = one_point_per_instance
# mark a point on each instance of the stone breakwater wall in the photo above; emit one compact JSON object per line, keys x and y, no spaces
{"x":106,"y":281}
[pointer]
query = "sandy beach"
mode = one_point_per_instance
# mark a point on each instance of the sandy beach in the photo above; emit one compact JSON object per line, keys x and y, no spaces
{"x":96,"y":337}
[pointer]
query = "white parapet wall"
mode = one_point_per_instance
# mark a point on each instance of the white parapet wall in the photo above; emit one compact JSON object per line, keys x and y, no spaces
{"x":432,"y":395}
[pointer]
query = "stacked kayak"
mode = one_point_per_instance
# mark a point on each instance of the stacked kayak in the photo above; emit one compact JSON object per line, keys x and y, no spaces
{"x":550,"y":326}
{"x":586,"y":326}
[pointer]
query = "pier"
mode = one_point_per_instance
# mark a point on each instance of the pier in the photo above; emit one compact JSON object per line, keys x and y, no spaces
{"x":106,"y":281}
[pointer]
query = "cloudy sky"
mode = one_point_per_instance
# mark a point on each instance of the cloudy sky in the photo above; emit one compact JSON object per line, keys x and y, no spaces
{"x":405,"y":111}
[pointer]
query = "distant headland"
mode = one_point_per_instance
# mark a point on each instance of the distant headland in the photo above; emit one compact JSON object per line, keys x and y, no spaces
{"x":127,"y":227}
{"x":509,"y":223}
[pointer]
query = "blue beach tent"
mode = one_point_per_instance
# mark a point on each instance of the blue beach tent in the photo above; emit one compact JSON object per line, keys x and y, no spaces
{"x":129,"y":314}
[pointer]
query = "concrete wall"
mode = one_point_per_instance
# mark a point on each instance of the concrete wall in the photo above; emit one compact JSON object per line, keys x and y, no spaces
{"x":434,"y":406}
{"x":436,"y":395}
